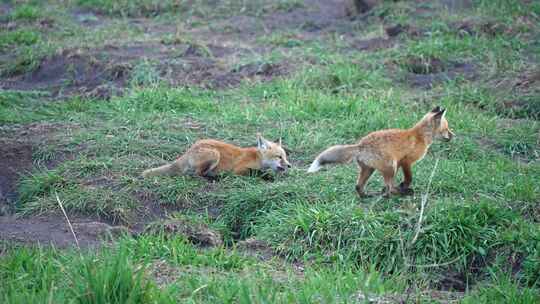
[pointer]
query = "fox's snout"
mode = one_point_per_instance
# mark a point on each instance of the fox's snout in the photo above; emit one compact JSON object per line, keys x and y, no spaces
{"x":284,"y":167}
{"x":448,"y":136}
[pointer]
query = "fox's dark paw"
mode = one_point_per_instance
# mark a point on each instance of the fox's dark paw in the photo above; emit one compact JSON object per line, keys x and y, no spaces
{"x":211,"y":178}
{"x":405,"y":190}
{"x":362,"y":194}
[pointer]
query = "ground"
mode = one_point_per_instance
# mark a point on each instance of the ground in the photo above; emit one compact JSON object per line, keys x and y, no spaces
{"x":96,"y":91}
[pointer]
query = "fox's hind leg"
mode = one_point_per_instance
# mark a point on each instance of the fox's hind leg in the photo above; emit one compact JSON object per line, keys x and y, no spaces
{"x":363,"y":176}
{"x":205,"y":161}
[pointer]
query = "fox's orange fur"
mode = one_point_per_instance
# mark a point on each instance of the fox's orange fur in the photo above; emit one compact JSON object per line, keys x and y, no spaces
{"x":389,"y":150}
{"x":208,"y":157}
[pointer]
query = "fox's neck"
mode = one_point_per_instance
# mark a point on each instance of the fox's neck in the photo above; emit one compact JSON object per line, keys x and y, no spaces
{"x":423,"y":132}
{"x":251,"y":157}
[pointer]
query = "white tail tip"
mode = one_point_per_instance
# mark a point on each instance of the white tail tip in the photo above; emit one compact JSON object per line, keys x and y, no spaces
{"x":314,"y":166}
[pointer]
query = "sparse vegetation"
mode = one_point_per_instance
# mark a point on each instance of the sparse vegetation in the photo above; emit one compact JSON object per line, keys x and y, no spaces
{"x":96,"y":91}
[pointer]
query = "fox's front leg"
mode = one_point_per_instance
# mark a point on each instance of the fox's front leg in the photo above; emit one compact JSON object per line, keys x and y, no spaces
{"x":405,"y":186}
{"x":388,"y":176}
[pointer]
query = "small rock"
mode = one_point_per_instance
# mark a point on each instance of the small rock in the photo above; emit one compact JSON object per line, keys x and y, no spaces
{"x":196,"y":233}
{"x":395,"y":30}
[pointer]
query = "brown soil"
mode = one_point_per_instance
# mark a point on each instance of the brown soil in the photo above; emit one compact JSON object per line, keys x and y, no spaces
{"x":426,"y":78}
{"x":71,"y":72}
{"x":413,"y":296}
{"x":16,"y":148}
{"x":489,"y":28}
{"x":150,"y":210}
{"x":373,"y":44}
{"x":15,"y":160}
{"x":17,"y":144}
{"x":490,"y":145}
{"x":55,"y":231}
{"x":257,"y":248}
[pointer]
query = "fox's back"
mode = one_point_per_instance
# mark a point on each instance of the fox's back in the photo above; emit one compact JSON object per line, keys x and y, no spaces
{"x":394,"y":143}
{"x":229,"y":154}
{"x":226,"y":151}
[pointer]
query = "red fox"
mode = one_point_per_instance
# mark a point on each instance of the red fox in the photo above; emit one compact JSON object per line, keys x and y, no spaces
{"x":208,"y":157}
{"x":388,"y":150}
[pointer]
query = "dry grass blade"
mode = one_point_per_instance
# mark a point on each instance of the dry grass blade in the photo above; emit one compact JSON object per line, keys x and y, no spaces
{"x":67,"y":219}
{"x":424,"y":203}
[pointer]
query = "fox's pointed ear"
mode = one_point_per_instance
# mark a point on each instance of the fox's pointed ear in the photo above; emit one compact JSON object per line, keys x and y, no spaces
{"x":261,"y":142}
{"x":440,"y":114}
{"x":437,"y":109}
{"x":278,"y":141}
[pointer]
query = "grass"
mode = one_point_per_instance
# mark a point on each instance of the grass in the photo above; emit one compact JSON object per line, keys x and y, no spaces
{"x":480,"y":228}
{"x":126,"y":274}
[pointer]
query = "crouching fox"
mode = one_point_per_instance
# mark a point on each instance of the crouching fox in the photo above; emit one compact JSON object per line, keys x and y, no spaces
{"x":208,"y":157}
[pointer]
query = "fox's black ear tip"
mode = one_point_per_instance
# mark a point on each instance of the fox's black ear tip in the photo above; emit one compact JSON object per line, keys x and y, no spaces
{"x":437,"y":109}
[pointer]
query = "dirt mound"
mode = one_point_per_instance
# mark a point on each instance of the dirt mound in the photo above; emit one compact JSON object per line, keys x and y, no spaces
{"x":71,"y":72}
{"x":55,"y":231}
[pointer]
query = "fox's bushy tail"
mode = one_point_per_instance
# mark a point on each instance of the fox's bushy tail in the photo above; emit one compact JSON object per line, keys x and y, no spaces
{"x":169,"y":169}
{"x":340,"y":154}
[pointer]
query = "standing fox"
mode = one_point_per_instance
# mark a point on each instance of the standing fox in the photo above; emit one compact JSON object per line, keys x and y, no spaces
{"x":388,"y":150}
{"x":208,"y":157}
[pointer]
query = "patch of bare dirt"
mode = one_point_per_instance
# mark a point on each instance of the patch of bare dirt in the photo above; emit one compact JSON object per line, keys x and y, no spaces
{"x":87,"y":18}
{"x":430,"y":65}
{"x":373,"y":44}
{"x":105,"y":72}
{"x":411,"y":296}
{"x":452,"y":281}
{"x":492,"y":146}
{"x":257,"y":248}
{"x":457,"y":5}
{"x":472,"y":27}
{"x":318,"y":14}
{"x":354,"y":7}
{"x":427,"y":77}
{"x":55,"y":231}
{"x":15,"y":160}
{"x":72,"y":72}
{"x":150,"y":210}
{"x":164,"y":273}
{"x":17,"y":144}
